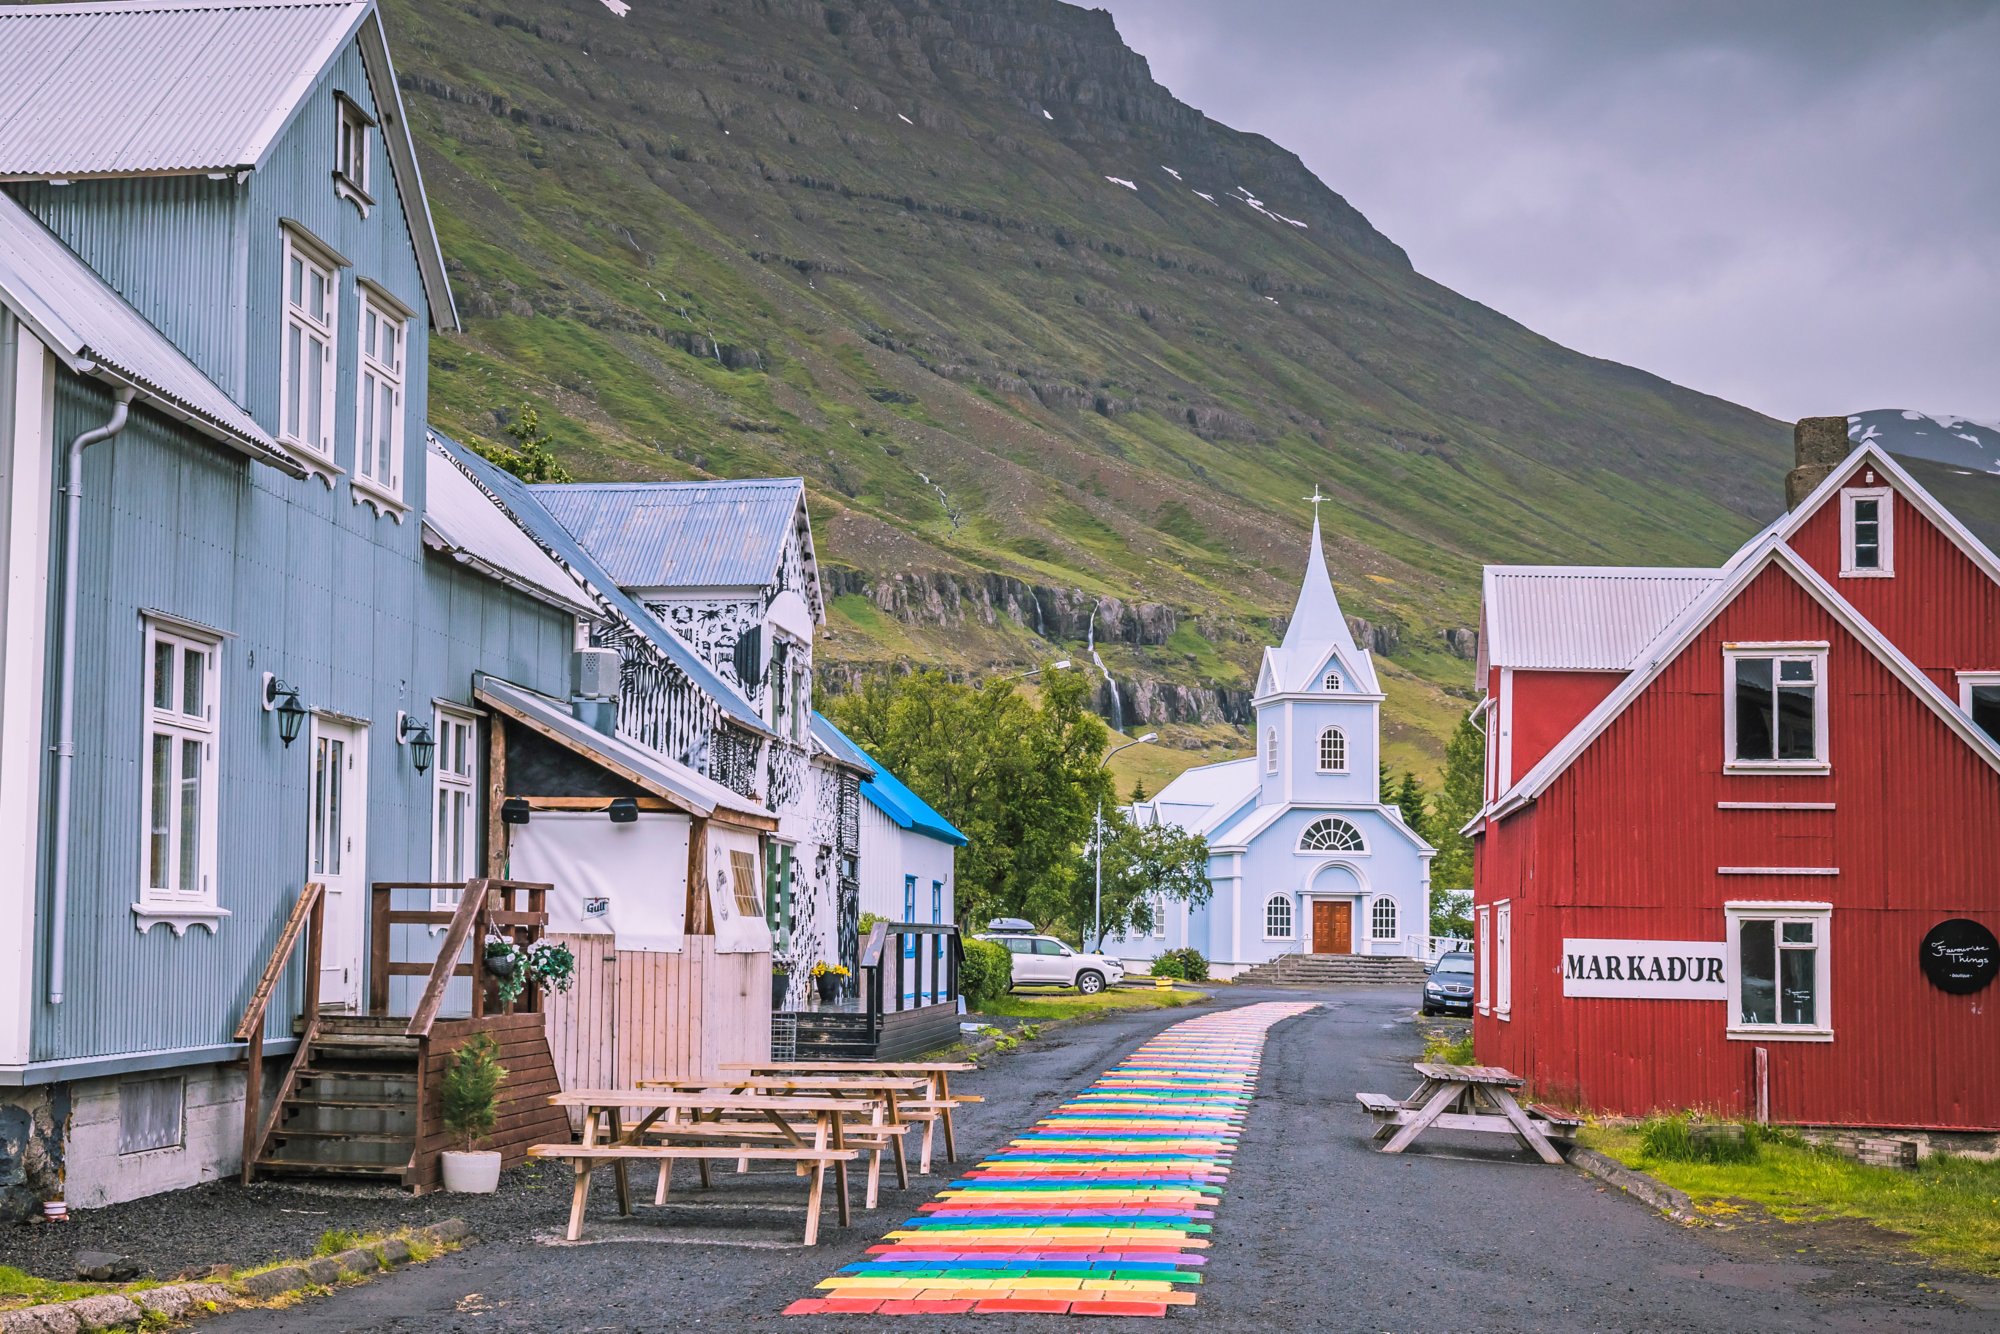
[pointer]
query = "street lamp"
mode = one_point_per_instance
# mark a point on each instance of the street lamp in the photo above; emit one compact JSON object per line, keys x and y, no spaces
{"x":1097,"y":895}
{"x":1059,"y":665}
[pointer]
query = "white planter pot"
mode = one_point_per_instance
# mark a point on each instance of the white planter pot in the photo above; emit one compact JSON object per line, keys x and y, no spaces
{"x":472,"y":1173}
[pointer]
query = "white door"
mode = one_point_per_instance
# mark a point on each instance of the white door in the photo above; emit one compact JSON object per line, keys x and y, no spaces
{"x":336,"y":854}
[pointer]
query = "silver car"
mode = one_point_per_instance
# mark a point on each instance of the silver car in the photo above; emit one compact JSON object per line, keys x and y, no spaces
{"x":1044,"y":961}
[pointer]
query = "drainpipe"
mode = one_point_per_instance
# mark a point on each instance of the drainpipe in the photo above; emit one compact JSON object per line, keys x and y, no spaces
{"x":66,"y":684}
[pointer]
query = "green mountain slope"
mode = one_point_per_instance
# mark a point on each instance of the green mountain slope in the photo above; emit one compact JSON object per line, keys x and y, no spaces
{"x":1042,"y":339}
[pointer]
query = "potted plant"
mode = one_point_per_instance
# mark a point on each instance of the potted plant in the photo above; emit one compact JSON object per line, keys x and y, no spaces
{"x":545,"y":964}
{"x":469,"y":1107}
{"x":826,"y":976}
{"x":551,"y":965}
{"x":781,"y":983}
{"x":500,"y":954}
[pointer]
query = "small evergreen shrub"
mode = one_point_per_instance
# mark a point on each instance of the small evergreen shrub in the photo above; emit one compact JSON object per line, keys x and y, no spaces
{"x":469,"y":1092}
{"x":1193,"y":967}
{"x":986,"y":972}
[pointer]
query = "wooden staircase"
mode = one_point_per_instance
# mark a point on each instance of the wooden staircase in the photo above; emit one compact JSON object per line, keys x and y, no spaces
{"x":352,"y":1109}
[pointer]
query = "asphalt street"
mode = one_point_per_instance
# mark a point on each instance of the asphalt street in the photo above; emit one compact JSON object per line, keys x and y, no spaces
{"x":1317,"y":1231}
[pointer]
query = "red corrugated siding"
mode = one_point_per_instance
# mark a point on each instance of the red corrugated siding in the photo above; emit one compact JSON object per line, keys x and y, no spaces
{"x":1548,"y":705}
{"x":1940,"y":608}
{"x":1626,"y":843}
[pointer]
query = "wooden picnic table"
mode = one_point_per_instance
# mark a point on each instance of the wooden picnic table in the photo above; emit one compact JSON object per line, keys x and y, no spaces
{"x":1465,"y":1097}
{"x":767,"y":1134}
{"x":893,"y":1091}
{"x":937,"y":1108}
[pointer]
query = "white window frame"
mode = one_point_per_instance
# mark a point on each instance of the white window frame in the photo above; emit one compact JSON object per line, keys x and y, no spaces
{"x":1375,"y":911}
{"x":1503,"y":960}
{"x":1484,"y":1000}
{"x":1885,"y":532}
{"x":1333,"y":679}
{"x":1283,"y":901}
{"x":1361,"y":839}
{"x":351,"y":127}
{"x":1815,"y":652}
{"x":1159,"y":916}
{"x":454,"y":778}
{"x":1967,"y":681}
{"x":1270,"y":750}
{"x":180,"y":728}
{"x":298,"y":322}
{"x":1339,"y":737}
{"x":1780,"y":911}
{"x":372,"y":376}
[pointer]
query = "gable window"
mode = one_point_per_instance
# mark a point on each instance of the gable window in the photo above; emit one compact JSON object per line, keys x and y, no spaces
{"x":1331,"y":835}
{"x":1382,"y":919}
{"x":1774,"y":707}
{"x":1777,"y":955}
{"x":1278,"y":918}
{"x":1979,"y":696}
{"x":454,"y":807}
{"x":305,"y":409}
{"x":378,"y":407}
{"x":1333,"y":680}
{"x":350,"y":151}
{"x":1333,"y":751}
{"x":177,"y":858}
{"x":1270,"y":750}
{"x":1867,"y":533}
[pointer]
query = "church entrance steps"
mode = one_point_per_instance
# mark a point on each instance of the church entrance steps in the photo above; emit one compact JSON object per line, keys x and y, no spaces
{"x":1334,"y":970}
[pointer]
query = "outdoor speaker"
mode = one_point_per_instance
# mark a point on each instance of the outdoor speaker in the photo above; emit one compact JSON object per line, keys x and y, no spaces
{"x":624,"y":810}
{"x":596,"y":672}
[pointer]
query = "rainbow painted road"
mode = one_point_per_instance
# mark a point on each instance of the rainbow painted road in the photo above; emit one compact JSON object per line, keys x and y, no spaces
{"x":1102,"y":1208}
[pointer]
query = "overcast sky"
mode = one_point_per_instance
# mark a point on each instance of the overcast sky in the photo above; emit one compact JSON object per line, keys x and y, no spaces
{"x":1794,"y":204}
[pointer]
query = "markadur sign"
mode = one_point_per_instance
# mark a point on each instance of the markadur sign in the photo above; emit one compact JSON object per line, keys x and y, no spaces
{"x":1645,"y":969}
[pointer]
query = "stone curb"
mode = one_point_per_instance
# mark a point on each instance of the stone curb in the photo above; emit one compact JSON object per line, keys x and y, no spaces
{"x":1673,"y":1203}
{"x":180,"y":1301}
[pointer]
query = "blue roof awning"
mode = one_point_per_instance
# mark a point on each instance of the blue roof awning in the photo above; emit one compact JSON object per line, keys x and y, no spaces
{"x":886,"y":793}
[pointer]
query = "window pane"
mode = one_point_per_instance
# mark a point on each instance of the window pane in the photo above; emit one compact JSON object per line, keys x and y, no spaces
{"x":336,"y":768}
{"x":1015,"y":945}
{"x":1798,"y":933}
{"x":294,"y":373}
{"x":158,"y":840}
{"x":194,"y":683}
{"x":445,"y":868}
{"x":1753,"y":709}
{"x":319,"y":807}
{"x":1796,"y":669}
{"x":315,"y":381}
{"x":1799,"y":986}
{"x":364,"y":457}
{"x":1796,"y":723}
{"x":1047,"y":947}
{"x":1758,"y":969}
{"x":316,"y":295}
{"x":1986,"y":709}
{"x":385,"y":419}
{"x":190,"y":881}
{"x":744,"y":868}
{"x":295,"y":284}
{"x":369,"y":329}
{"x":163,"y":674}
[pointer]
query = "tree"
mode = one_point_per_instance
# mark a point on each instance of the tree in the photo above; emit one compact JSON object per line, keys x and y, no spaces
{"x":1145,"y":867}
{"x":1457,"y":802}
{"x":1138,"y":791}
{"x":1409,"y":799}
{"x":531,"y":459}
{"x":1022,"y":780}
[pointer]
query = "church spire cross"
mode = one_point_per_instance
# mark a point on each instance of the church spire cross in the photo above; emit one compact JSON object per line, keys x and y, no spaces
{"x":1316,"y":500}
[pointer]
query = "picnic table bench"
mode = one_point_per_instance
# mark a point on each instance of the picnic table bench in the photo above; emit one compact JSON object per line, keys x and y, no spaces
{"x":719,"y":1125}
{"x":1467,"y":1097}
{"x":931,"y":1111}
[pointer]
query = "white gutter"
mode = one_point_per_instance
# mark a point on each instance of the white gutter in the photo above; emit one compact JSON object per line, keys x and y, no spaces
{"x":66,"y":684}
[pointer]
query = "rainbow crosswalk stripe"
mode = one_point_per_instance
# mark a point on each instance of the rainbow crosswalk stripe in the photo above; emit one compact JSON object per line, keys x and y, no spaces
{"x":1101,"y":1208}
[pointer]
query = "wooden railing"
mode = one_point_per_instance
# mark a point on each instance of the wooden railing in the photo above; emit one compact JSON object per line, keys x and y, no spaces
{"x":308,"y":917}
{"x":485,"y":908}
{"x":888,"y":971}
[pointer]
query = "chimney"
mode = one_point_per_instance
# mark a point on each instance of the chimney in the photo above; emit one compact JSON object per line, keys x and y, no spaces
{"x":1818,"y":446}
{"x":594,"y":696}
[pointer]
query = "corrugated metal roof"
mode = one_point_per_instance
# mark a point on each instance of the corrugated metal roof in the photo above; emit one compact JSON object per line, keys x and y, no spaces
{"x":1581,"y":618}
{"x":682,"y":534}
{"x":463,"y":521}
{"x":519,"y":501}
{"x":112,"y":89}
{"x":839,"y":745}
{"x":886,"y":792}
{"x":67,"y":306}
{"x":666,"y":778}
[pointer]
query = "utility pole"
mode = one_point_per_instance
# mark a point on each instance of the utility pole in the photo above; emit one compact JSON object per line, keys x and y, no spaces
{"x":1097,"y":895}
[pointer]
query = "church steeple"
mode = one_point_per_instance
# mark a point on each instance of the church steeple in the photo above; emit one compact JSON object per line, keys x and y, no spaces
{"x":1318,"y":630}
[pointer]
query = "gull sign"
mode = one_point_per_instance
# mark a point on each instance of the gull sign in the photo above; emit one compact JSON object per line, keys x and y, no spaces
{"x":1644,"y":969}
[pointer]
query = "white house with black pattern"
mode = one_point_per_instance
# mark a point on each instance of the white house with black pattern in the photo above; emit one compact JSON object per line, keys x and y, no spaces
{"x":1303,"y":855}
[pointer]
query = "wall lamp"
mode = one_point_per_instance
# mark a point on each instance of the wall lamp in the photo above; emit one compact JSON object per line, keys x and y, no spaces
{"x":283,"y":700}
{"x":514,"y":810}
{"x":624,"y":810}
{"x":417,"y":736}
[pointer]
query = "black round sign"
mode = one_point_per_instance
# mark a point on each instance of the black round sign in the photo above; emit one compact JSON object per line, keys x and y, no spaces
{"x":1960,"y":956}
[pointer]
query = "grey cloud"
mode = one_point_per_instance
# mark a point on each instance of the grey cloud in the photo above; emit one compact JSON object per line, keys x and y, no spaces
{"x":1794,"y":204}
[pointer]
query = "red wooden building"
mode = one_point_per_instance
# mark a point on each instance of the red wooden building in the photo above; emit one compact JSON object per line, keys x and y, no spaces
{"x":1741,"y":844}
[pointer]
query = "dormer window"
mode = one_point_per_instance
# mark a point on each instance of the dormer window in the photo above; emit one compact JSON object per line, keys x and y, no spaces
{"x":1333,"y":680}
{"x":350,"y":151}
{"x":1867,"y":532}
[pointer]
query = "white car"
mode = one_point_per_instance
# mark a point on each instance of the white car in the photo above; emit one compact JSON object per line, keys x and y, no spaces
{"x":1044,"y":961}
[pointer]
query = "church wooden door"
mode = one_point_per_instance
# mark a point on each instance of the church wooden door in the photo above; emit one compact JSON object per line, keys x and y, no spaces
{"x":1333,"y":927}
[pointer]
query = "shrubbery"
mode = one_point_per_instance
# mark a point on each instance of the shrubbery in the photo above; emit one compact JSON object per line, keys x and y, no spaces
{"x":1676,"y":1139}
{"x":1186,"y":965}
{"x":986,"y":972}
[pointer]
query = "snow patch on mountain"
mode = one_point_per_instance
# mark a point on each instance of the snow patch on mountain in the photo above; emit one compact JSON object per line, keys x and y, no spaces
{"x":1957,"y":442}
{"x":905,"y":119}
{"x":1170,"y":171}
{"x":1120,"y":180}
{"x":1201,"y":194}
{"x":618,"y":7}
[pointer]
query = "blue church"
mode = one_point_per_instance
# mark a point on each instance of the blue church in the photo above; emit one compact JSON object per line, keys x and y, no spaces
{"x":1304,"y":857}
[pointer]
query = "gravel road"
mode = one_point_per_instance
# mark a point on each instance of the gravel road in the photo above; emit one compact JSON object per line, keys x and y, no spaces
{"x":1317,"y":1231}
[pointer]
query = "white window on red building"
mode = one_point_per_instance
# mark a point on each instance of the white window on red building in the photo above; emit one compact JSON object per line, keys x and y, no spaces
{"x":1867,"y":533}
{"x":1774,"y":707}
{"x":1777,"y":963}
{"x":1979,"y":696}
{"x":1503,"y":960}
{"x":1485,"y":952}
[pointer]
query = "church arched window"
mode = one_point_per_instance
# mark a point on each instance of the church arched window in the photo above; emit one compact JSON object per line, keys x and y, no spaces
{"x":1331,"y":834}
{"x":1382,"y":919}
{"x":1278,"y":917}
{"x":1333,"y":751}
{"x":1270,"y":750}
{"x":1332,"y":680}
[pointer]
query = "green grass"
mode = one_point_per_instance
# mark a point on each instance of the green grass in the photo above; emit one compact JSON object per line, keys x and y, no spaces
{"x":1068,"y":1004}
{"x":21,"y":1289}
{"x":1446,"y":1050}
{"x":1948,"y":1208}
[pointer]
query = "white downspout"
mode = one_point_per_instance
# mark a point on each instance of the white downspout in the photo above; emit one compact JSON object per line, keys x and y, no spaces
{"x":66,"y":685}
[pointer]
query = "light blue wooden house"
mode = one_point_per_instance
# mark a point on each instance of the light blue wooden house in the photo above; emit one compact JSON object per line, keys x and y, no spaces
{"x":1304,"y":858}
{"x":240,"y":643}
